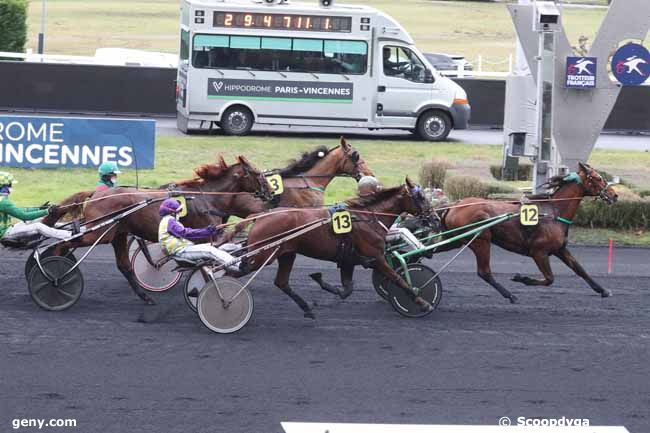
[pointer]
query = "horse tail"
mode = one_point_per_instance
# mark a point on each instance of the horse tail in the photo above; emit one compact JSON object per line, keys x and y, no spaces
{"x":73,"y":207}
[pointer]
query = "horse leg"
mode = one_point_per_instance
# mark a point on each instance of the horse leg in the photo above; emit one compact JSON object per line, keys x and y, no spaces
{"x":565,"y":255}
{"x":121,"y":249}
{"x":544,"y":266}
{"x":382,"y":266}
{"x":346,"y":280}
{"x":481,"y":249}
{"x":285,"y":263}
{"x":347,"y":274}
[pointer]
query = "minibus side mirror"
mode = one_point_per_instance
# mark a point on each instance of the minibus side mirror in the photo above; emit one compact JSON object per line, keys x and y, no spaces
{"x":428,"y":76}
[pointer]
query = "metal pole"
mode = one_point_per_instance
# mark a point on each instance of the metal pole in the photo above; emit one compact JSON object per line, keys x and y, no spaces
{"x":41,"y":35}
{"x":521,"y":66}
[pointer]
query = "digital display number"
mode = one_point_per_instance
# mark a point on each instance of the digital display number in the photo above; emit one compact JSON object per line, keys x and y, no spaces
{"x":314,"y":23}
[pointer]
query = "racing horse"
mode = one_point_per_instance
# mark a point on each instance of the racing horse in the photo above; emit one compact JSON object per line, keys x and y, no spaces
{"x":549,"y":238}
{"x":371,"y":214}
{"x":305,"y":181}
{"x":215,"y":184}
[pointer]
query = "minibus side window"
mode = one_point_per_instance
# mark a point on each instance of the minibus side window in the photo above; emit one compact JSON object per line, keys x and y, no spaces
{"x":280,"y":54}
{"x":400,"y":62}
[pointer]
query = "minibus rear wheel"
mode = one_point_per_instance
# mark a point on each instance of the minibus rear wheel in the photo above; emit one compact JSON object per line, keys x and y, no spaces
{"x":434,"y":125}
{"x":237,"y":120}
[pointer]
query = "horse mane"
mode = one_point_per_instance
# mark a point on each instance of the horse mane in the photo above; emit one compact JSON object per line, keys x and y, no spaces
{"x":373,"y":199}
{"x":205,"y":173}
{"x":306,"y":162}
{"x":556,"y":182}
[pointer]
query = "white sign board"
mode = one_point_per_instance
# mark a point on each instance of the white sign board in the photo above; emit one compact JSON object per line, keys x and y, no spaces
{"x":298,"y":427}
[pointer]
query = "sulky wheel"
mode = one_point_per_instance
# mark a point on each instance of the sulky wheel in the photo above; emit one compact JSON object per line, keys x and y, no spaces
{"x":55,"y":292}
{"x":221,"y":318}
{"x":149,"y":277}
{"x":31,"y":261}
{"x":429,"y":288}
{"x":194,"y":285}
{"x":378,"y":281}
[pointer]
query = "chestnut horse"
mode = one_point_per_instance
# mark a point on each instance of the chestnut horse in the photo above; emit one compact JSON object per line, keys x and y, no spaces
{"x":548,"y":238}
{"x":239,"y":178}
{"x":305,"y":181}
{"x":366,"y":244}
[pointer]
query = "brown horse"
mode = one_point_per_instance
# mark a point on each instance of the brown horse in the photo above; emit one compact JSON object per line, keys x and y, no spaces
{"x":549,"y":237}
{"x":239,"y":178}
{"x":365,"y":245}
{"x":305,"y":181}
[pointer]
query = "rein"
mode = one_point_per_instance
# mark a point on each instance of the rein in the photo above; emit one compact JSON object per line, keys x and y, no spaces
{"x":171,"y":193}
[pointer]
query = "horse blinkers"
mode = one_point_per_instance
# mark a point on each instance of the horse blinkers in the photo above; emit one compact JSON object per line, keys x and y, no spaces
{"x":417,"y":198}
{"x":262,"y":190}
{"x":353,"y":156}
{"x":599,"y":188}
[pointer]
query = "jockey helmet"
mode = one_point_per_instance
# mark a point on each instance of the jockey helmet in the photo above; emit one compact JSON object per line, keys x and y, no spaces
{"x":170,"y":207}
{"x":108,"y":168}
{"x":7,"y":179}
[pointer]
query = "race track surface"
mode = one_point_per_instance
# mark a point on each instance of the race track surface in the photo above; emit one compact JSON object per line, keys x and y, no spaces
{"x":563,"y":351}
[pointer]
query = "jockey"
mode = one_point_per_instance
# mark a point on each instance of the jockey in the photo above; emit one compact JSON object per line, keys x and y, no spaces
{"x":369,"y":185}
{"x":108,"y":172}
{"x":176,"y":240}
{"x":23,"y":229}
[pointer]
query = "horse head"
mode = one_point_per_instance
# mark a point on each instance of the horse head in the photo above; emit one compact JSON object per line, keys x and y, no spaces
{"x":413,"y":199}
{"x":595,"y":185}
{"x":239,"y":177}
{"x":251,"y":179}
{"x":350,"y":161}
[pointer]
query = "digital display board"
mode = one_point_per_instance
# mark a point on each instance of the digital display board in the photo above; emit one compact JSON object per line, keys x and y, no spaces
{"x":313,"y":23}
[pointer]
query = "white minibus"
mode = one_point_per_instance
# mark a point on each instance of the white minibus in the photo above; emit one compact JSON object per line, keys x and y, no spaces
{"x":283,"y":63}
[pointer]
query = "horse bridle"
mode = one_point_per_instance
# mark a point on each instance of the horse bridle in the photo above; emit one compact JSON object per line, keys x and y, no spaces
{"x":265,"y":192}
{"x":602,"y":194}
{"x":417,"y":197}
{"x":352,"y":155}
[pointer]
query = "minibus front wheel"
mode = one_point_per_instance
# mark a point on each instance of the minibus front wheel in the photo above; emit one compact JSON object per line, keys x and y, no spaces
{"x":434,"y":125}
{"x":237,"y":120}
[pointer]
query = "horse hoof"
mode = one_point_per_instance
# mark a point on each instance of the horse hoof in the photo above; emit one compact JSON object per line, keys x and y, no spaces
{"x":318,"y":277}
{"x":513,"y":299}
{"x":517,"y":278}
{"x":344,"y":294}
{"x":309,"y":315}
{"x":425,"y":306}
{"x":605,"y":293}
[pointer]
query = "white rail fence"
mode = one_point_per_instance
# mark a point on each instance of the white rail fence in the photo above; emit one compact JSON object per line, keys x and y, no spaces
{"x":484,"y":67}
{"x":103,"y":56}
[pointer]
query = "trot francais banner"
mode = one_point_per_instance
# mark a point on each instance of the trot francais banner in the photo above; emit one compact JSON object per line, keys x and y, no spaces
{"x":54,"y":142}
